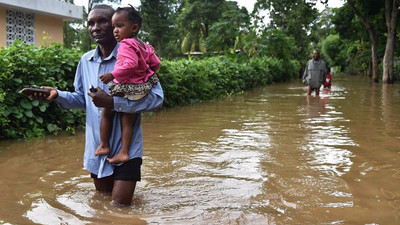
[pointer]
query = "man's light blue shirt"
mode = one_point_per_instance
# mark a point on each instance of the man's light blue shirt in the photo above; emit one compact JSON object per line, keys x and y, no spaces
{"x":89,"y":69}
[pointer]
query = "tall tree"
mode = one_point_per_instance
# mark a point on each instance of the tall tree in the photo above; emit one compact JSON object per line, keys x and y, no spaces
{"x":365,"y":10}
{"x":322,"y":25}
{"x":225,"y":33}
{"x":196,"y":16}
{"x":296,"y":24}
{"x":157,"y":21}
{"x":70,"y":34}
{"x":70,"y":31}
{"x":391,"y":12}
{"x":356,"y":41}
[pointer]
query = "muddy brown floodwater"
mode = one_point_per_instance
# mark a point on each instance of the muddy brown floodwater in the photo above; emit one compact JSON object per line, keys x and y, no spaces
{"x":269,"y":156}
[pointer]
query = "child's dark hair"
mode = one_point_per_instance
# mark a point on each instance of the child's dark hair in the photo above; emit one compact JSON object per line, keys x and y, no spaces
{"x":133,"y":15}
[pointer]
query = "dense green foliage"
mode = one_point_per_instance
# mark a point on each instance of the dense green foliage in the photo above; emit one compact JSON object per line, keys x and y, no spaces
{"x":190,"y":81}
{"x":333,"y":46}
{"x":230,"y":27}
{"x":361,"y":22}
{"x":157,"y":23}
{"x":184,"y":82}
{"x":21,"y":66}
{"x":296,"y":24}
{"x":176,"y":27}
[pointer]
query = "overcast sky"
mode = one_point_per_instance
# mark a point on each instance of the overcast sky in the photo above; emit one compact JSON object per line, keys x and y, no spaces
{"x":249,"y":4}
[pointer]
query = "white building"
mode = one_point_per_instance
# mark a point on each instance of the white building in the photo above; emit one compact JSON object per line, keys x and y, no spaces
{"x":32,"y":20}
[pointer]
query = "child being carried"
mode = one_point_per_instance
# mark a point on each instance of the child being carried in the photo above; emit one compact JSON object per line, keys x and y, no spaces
{"x":133,"y":77}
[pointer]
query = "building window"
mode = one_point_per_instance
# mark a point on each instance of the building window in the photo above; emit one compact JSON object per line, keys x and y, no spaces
{"x":20,"y":26}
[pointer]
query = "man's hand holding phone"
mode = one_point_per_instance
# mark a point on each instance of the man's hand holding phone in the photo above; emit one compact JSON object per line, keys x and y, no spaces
{"x":100,"y":98}
{"x":44,"y":94}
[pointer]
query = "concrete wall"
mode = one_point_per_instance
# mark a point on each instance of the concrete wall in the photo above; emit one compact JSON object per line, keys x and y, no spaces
{"x":61,"y":9}
{"x":50,"y":27}
{"x":2,"y":26}
{"x":49,"y":17}
{"x":47,"y":26}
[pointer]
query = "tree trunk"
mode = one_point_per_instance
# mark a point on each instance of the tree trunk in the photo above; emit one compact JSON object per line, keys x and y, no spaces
{"x":369,"y":72}
{"x":206,"y":31}
{"x":387,"y":77}
{"x":373,"y":39}
{"x":391,"y":11}
{"x":374,"y":52}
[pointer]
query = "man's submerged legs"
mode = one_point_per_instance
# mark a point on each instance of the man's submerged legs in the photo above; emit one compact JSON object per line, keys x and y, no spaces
{"x":122,"y":192}
{"x":121,"y":185}
{"x":104,"y":185}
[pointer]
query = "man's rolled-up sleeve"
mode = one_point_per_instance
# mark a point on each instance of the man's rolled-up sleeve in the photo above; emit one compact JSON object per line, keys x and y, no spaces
{"x":151,"y":102}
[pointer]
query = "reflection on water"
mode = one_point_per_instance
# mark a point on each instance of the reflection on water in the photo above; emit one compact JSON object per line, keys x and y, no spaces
{"x":269,"y":156}
{"x":327,"y":136}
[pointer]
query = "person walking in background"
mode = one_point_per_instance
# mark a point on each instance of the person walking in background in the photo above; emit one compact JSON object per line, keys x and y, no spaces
{"x":314,"y":73}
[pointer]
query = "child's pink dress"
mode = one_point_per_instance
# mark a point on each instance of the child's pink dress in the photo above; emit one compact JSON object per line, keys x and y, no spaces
{"x":135,"y":70}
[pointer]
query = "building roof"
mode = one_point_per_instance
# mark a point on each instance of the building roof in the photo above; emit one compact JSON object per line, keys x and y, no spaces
{"x":56,"y":8}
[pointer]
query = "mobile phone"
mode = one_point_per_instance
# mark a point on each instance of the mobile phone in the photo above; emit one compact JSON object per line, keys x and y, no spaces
{"x":92,"y":89}
{"x":33,"y":89}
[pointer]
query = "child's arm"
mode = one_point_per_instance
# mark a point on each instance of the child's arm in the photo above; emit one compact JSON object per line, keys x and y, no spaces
{"x":107,"y":77}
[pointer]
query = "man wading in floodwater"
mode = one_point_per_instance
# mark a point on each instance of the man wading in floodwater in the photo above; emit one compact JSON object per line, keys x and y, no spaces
{"x":119,"y":179}
{"x":314,"y":73}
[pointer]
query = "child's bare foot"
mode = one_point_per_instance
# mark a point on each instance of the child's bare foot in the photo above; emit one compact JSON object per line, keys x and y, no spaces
{"x":102,"y":150}
{"x":119,"y":158}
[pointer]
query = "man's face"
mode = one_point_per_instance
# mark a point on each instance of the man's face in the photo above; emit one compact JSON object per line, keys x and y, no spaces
{"x":99,"y":25}
{"x":316,"y":55}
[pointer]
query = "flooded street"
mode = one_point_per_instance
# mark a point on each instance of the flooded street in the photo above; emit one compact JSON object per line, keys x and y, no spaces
{"x":268,"y":156}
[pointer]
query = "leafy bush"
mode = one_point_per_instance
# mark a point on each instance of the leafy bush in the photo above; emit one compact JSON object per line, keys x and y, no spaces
{"x":189,"y":81}
{"x":22,"y":65}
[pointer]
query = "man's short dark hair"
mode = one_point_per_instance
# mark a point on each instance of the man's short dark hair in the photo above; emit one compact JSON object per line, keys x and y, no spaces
{"x":106,"y":7}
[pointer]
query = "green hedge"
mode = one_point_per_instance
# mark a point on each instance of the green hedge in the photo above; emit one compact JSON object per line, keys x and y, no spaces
{"x":188,"y":81}
{"x":183,"y":81}
{"x":21,"y":66}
